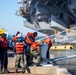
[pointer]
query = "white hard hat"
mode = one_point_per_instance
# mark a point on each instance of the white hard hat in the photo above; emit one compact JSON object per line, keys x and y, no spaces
{"x":19,"y":35}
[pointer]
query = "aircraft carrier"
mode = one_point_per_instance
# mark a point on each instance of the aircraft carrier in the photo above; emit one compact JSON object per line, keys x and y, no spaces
{"x":48,"y":15}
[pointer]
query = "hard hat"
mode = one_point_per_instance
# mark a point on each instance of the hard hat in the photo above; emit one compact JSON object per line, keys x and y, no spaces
{"x":20,"y":39}
{"x":1,"y":31}
{"x":19,"y":35}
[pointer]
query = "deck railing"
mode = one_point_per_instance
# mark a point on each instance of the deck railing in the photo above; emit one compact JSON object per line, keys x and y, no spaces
{"x":63,"y":33}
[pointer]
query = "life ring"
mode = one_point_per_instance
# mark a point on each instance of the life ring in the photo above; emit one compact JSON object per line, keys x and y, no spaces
{"x":62,"y":47}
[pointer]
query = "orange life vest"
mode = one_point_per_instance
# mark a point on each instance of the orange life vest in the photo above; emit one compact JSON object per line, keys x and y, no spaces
{"x":19,"y":47}
{"x":34,"y":45}
{"x":4,"y":42}
{"x":7,"y":41}
{"x":28,"y":39}
{"x":48,"y":41}
{"x":15,"y":38}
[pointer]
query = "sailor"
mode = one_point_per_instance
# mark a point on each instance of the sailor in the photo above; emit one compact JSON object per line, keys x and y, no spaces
{"x":3,"y":53}
{"x":35,"y":52}
{"x":14,"y":40}
{"x":29,"y":39}
{"x":49,"y":42}
{"x":19,"y":47}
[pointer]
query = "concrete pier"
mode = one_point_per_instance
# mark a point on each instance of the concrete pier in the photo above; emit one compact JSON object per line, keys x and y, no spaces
{"x":40,"y":70}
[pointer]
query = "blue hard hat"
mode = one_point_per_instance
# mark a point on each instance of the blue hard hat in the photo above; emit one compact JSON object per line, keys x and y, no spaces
{"x":20,"y":39}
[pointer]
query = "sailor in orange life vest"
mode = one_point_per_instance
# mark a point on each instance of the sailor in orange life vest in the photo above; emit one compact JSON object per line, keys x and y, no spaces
{"x":19,"y":47}
{"x":35,"y":52}
{"x":3,"y":53}
{"x":49,"y":41}
{"x":29,"y":39}
{"x":14,"y":40}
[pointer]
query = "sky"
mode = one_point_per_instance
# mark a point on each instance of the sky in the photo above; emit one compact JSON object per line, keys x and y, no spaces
{"x":8,"y":20}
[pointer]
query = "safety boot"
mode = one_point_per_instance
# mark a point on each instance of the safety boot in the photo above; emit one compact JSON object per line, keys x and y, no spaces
{"x":6,"y":71}
{"x":23,"y":70}
{"x":16,"y":69}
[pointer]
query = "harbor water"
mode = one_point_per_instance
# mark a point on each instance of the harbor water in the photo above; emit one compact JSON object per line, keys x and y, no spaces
{"x":70,"y":64}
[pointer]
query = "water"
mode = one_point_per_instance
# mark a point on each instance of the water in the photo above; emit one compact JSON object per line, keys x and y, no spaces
{"x":70,"y":64}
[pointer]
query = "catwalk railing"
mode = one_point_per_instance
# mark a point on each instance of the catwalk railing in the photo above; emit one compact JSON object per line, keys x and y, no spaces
{"x":63,"y":33}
